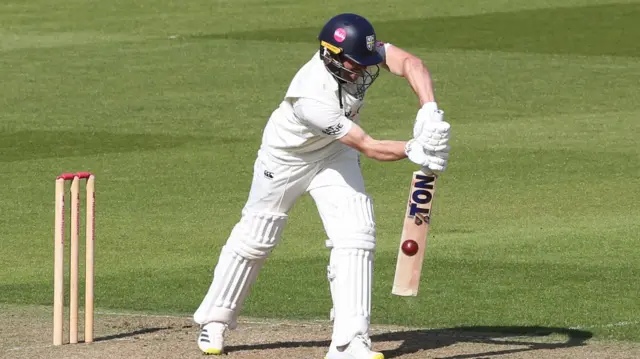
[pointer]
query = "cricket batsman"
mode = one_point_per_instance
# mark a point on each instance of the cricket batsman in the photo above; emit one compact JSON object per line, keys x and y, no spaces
{"x":311,"y":143}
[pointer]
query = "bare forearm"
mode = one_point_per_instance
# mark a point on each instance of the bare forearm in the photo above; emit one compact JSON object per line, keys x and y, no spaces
{"x":420,"y":80}
{"x":409,"y":66}
{"x":385,"y":150}
{"x":380,"y":150}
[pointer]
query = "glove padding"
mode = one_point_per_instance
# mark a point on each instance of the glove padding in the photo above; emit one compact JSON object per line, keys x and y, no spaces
{"x":430,"y":129}
{"x":430,"y":161}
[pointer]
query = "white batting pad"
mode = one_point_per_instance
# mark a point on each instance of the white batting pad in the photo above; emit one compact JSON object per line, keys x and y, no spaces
{"x":249,"y":244}
{"x":350,"y":275}
{"x":352,"y":239}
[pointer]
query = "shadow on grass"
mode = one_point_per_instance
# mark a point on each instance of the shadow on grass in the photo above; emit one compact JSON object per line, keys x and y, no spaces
{"x":416,"y":340}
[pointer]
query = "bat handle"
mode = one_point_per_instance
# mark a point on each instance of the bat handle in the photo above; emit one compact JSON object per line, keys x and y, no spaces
{"x":427,"y":171}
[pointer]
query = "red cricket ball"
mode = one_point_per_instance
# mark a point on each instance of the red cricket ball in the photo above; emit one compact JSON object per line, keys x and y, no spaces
{"x":410,"y":247}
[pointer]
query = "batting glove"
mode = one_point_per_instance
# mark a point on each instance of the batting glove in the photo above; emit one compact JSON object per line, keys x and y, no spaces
{"x":431,"y":130}
{"x":430,"y":161}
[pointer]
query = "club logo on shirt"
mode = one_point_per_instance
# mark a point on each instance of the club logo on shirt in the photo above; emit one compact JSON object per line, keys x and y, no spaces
{"x":371,"y":40}
{"x":332,"y":130}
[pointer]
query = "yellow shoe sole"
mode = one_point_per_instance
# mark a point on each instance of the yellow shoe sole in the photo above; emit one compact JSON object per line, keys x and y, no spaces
{"x":377,"y":356}
{"x":212,"y":351}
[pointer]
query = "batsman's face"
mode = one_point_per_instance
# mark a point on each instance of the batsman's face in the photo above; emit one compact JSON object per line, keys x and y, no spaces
{"x":354,"y":70}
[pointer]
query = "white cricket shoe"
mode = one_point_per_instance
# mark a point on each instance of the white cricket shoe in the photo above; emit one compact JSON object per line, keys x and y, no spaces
{"x":211,"y":338}
{"x":359,"y":348}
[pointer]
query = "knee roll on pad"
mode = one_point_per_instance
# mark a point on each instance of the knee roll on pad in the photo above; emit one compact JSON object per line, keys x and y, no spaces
{"x":256,"y":234}
{"x":241,"y":258}
{"x":354,"y":226}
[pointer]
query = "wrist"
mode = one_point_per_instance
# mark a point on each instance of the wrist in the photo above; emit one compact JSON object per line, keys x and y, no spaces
{"x":431,"y":106}
{"x":408,"y":146}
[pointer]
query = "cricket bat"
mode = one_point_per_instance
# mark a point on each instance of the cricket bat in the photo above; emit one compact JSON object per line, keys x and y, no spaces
{"x":413,"y":240}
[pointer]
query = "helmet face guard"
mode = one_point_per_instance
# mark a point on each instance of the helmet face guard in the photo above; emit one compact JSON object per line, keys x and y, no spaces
{"x":361,"y":78}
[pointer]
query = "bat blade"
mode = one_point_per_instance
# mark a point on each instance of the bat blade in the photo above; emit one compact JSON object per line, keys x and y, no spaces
{"x":416,"y":227}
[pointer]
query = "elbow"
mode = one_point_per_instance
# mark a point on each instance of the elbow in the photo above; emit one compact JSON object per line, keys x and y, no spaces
{"x":413,"y":64}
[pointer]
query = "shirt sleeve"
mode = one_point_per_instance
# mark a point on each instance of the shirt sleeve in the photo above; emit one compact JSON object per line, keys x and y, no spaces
{"x":321,"y":118}
{"x":381,"y":48}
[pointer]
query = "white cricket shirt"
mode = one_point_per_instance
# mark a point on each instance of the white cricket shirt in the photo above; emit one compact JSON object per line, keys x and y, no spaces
{"x":309,"y":121}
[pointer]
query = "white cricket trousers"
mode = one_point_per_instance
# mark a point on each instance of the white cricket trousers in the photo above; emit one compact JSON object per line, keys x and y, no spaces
{"x":276,"y":187}
{"x":337,"y":188}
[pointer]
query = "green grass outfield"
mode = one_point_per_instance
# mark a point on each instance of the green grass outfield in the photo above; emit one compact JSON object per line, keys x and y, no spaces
{"x":536,"y":222}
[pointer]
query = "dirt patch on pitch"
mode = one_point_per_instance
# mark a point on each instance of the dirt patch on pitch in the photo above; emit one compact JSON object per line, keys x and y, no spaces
{"x":26,"y":333}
